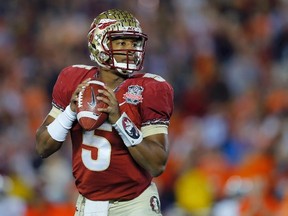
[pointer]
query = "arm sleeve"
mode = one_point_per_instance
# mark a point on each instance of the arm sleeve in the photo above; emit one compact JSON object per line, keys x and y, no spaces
{"x":157,"y":105}
{"x":62,"y":90}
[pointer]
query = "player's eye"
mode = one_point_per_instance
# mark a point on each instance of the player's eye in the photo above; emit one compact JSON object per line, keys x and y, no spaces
{"x":136,"y":44}
{"x":122,"y":43}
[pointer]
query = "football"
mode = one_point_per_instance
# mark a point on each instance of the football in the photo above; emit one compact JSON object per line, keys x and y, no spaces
{"x":87,"y":114}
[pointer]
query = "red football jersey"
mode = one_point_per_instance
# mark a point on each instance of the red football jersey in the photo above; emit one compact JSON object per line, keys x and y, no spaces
{"x":102,"y":165}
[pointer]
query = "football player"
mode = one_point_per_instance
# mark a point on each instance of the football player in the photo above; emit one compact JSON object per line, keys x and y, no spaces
{"x":113,"y":165}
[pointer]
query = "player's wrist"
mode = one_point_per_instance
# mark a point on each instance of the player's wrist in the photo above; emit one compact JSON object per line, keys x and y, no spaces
{"x":128,"y":131}
{"x":73,"y":107}
{"x":70,"y":113}
{"x":60,"y":127}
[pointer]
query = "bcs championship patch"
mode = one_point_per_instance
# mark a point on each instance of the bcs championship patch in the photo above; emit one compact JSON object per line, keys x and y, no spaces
{"x":134,"y":94}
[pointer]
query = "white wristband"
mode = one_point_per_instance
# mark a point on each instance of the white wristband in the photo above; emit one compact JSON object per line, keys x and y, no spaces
{"x":60,"y":127}
{"x":128,"y":131}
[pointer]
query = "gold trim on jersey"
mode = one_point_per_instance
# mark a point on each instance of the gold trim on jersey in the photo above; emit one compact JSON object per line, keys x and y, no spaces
{"x":54,"y":112}
{"x":154,"y":129}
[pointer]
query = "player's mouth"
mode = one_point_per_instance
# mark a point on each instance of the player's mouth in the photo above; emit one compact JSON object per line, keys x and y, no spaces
{"x":129,"y":58}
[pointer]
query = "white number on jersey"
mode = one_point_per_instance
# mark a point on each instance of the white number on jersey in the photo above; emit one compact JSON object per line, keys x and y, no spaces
{"x":104,"y":149}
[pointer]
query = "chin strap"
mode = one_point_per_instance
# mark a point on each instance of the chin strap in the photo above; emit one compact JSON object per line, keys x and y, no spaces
{"x":128,"y":131}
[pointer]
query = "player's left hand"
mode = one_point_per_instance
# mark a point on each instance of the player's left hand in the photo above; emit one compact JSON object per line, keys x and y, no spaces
{"x":113,"y":106}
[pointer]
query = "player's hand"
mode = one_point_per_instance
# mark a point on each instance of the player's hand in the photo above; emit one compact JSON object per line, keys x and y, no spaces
{"x":75,"y":95}
{"x":113,"y":106}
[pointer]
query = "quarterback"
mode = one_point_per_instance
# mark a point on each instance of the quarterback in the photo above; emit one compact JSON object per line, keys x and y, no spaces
{"x":114,"y":164}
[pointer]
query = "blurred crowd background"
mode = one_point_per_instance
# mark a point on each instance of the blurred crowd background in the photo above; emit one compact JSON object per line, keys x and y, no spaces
{"x":227,"y":62}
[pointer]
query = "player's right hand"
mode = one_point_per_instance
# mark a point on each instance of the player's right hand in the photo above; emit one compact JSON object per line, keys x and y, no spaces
{"x":75,"y":95}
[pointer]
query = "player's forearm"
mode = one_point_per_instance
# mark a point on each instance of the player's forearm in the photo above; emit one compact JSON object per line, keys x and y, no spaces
{"x":150,"y":152}
{"x":150,"y":155}
{"x":45,"y":144}
{"x":53,"y":132}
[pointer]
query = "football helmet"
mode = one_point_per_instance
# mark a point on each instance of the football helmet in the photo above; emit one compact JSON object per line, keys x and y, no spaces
{"x":115,"y":24}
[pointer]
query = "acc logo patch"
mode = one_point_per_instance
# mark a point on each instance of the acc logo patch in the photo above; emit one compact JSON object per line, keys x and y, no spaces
{"x":134,"y":94}
{"x":155,"y":204}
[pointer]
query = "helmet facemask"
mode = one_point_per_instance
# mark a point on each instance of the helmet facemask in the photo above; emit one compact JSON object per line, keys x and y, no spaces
{"x":104,"y":30}
{"x":133,"y":57}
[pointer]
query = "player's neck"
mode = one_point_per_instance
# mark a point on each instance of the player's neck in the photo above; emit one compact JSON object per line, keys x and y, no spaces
{"x":110,"y":78}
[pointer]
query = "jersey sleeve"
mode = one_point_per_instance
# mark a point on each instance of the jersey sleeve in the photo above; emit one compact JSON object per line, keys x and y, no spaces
{"x":66,"y":83}
{"x":157,"y":106}
{"x":63,"y":90}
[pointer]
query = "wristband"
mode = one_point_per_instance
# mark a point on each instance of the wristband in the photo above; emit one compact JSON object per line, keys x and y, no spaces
{"x":60,"y":127}
{"x":128,"y":131}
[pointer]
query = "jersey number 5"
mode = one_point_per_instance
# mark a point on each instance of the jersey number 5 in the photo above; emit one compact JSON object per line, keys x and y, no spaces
{"x":104,"y":149}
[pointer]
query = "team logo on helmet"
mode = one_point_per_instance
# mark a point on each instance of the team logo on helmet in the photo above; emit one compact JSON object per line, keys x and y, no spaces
{"x":104,"y":23}
{"x":130,"y":128}
{"x":155,"y":204}
{"x":134,"y":94}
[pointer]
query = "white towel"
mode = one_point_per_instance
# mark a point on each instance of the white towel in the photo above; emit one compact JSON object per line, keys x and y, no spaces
{"x":96,"y":208}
